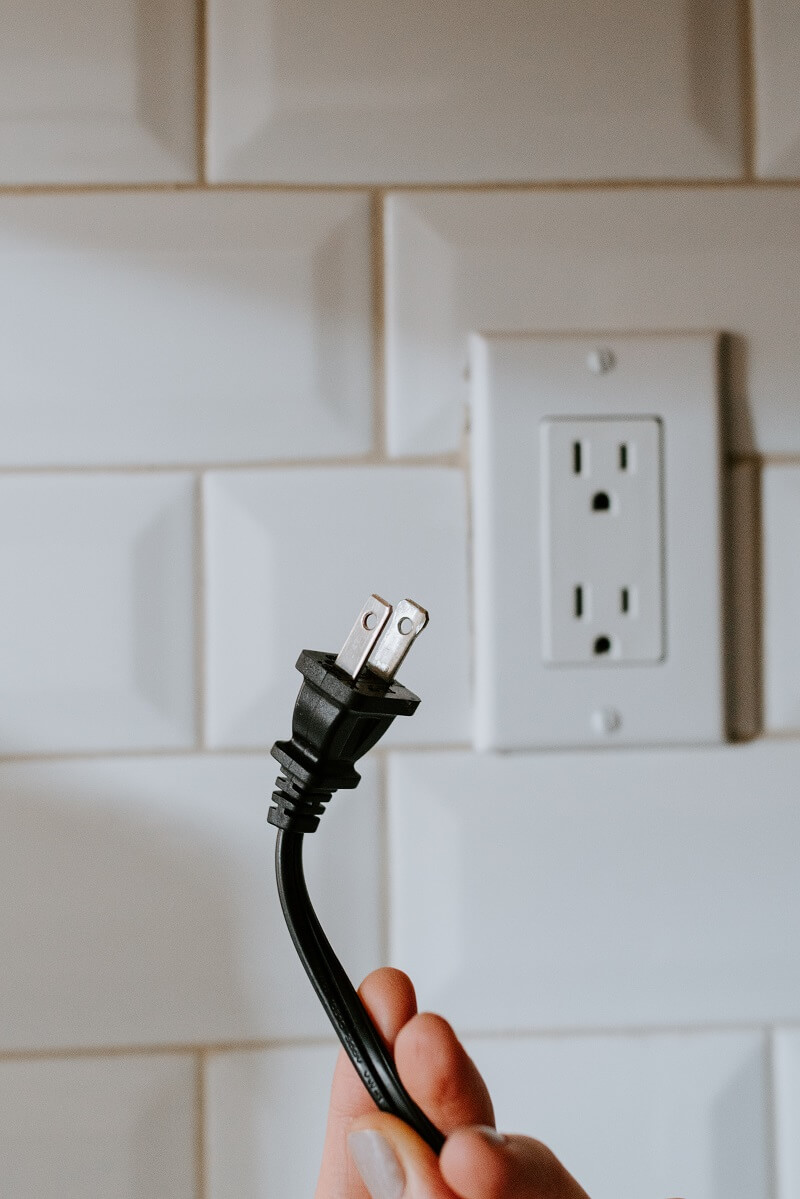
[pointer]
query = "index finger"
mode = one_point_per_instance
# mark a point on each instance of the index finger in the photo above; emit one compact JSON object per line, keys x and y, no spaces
{"x":388,"y":995}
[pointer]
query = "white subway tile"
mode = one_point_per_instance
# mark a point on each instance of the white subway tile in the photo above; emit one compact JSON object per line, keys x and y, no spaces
{"x":638,"y":260}
{"x":598,"y":890}
{"x":265,"y":1121}
{"x":95,"y":1128}
{"x":98,"y":93}
{"x":142,"y":906}
{"x":448,"y":92}
{"x":634,"y":1116}
{"x":291,"y":556}
{"x":781,"y":592}
{"x":96,"y":609}
{"x":786,"y":1066}
{"x":776,"y":37}
{"x":184,"y":327}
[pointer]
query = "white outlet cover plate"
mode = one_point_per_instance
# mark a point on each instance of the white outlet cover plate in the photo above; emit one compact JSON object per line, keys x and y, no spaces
{"x":516,"y":383}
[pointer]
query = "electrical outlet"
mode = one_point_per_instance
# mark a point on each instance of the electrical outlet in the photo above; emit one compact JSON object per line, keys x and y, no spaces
{"x":597,"y":540}
{"x":601,"y":541}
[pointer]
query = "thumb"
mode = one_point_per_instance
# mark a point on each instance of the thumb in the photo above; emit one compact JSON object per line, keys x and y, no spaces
{"x":395,"y":1163}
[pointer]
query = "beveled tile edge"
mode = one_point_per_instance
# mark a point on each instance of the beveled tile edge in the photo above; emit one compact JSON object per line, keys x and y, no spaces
{"x":780,"y":488}
{"x":776,"y":151}
{"x":743,"y":628}
{"x":169,"y":152}
{"x":418,"y":261}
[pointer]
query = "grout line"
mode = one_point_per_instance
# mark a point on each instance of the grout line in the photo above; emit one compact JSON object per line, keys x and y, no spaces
{"x":623,"y":1031}
{"x":452,"y":747}
{"x":112,"y":754}
{"x":298,"y":463}
{"x":116,"y":753}
{"x":160,"y":188}
{"x":553,"y":185}
{"x":778,"y":735}
{"x":771,"y":1134}
{"x":456,"y":459}
{"x":455,"y":747}
{"x":208,"y":751}
{"x":472,"y":624}
{"x":260,"y":1045}
{"x":410,"y":748}
{"x":201,"y":83}
{"x":98,"y":755}
{"x":91,"y":1052}
{"x":201,"y":1179}
{"x":747,"y":68}
{"x":384,"y":858}
{"x":760,"y":460}
{"x":122,"y":187}
{"x":200,"y":663}
{"x":488,"y":186}
{"x":778,"y":460}
{"x":378,"y":324}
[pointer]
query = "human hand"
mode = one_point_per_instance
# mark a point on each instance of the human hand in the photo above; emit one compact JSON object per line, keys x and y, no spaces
{"x":369,"y":1155}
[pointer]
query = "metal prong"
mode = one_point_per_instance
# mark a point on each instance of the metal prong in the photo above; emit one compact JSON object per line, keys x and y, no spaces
{"x":408,"y":621}
{"x":364,"y":634}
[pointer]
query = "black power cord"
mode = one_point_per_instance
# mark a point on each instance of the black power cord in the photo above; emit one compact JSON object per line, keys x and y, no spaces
{"x":345,"y":705}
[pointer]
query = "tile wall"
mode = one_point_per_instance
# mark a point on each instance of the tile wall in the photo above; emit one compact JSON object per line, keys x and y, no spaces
{"x":242,"y":248}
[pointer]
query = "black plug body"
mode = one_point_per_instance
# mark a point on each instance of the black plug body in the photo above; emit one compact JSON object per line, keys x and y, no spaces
{"x":336,"y":720}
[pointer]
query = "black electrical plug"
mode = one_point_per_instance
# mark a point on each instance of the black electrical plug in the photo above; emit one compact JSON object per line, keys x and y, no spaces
{"x":345,"y":705}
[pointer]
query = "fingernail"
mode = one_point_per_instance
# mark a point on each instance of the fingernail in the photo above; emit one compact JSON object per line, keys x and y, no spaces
{"x":491,"y":1135}
{"x":377,"y":1164}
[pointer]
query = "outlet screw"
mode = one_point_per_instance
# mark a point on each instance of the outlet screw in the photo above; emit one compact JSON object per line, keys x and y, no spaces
{"x":601,"y":360}
{"x":606,"y":720}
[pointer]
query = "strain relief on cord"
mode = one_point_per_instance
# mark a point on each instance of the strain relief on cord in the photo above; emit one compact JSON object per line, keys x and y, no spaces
{"x":294,"y":811}
{"x":304,"y":787}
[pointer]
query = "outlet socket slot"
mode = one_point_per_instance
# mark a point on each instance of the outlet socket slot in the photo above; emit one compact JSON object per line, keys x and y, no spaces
{"x":602,"y":524}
